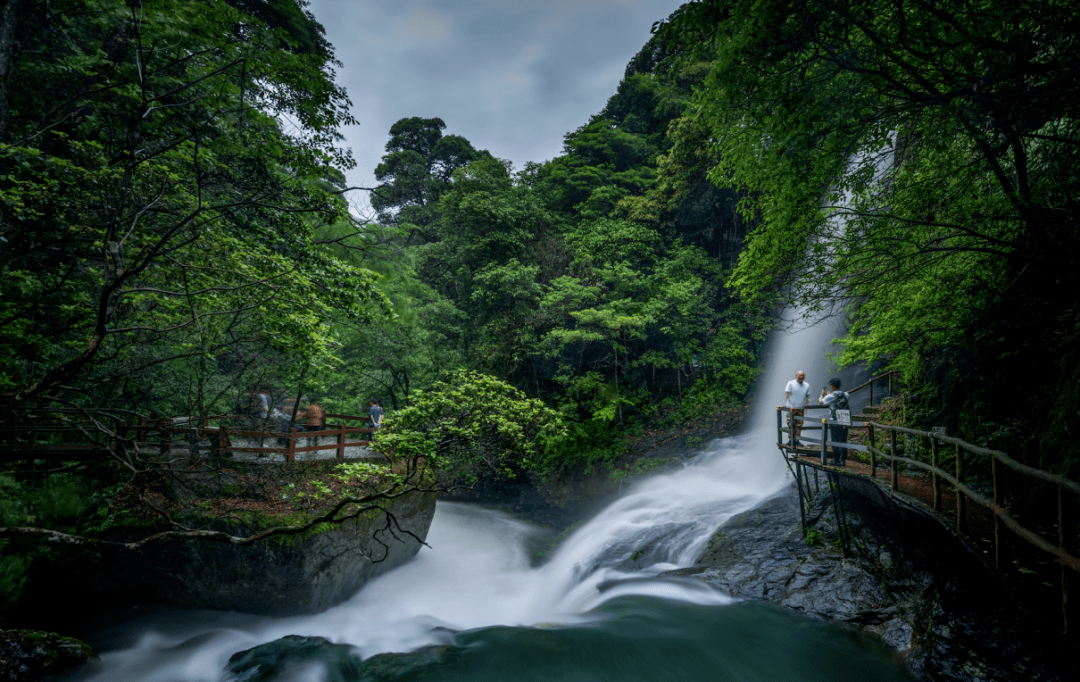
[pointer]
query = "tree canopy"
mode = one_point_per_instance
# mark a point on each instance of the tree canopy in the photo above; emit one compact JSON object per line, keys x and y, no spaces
{"x":917,"y":163}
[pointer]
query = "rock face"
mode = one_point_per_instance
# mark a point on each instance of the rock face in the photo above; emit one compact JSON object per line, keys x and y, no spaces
{"x":270,"y":661}
{"x":33,"y":655}
{"x":907,"y":579}
{"x":286,"y":575}
{"x":283,"y":575}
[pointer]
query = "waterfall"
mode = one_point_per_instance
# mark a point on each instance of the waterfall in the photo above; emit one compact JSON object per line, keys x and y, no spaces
{"x":477,"y":572}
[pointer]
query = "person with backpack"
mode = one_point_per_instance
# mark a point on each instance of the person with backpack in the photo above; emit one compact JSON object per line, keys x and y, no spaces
{"x":836,"y":400}
{"x":375,"y":414}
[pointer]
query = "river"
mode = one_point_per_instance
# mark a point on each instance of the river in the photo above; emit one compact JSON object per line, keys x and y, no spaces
{"x":594,"y":611}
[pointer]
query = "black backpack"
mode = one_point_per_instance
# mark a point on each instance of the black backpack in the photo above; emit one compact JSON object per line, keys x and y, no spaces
{"x":841,"y":403}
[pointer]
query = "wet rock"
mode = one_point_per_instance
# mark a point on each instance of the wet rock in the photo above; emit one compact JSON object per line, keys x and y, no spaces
{"x":413,"y":665}
{"x":761,"y":554}
{"x":905,"y":578}
{"x":267,"y":662}
{"x":333,"y":662}
{"x":35,"y":655}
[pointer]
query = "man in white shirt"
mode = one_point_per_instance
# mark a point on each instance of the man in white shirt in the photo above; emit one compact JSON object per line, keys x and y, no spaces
{"x":797,"y":393}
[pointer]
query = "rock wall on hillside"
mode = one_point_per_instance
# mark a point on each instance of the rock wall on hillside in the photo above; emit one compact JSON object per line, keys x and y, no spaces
{"x":280,"y":576}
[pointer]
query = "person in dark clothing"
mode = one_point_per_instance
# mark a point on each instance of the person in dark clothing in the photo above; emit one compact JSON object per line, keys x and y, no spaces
{"x":837,"y":400}
{"x":375,"y":414}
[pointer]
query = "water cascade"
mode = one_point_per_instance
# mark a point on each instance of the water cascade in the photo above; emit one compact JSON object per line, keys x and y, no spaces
{"x":476,"y":575}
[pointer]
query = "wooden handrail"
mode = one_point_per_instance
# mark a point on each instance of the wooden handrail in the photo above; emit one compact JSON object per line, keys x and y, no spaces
{"x":880,"y":376}
{"x":1069,"y":560}
{"x":1046,"y":476}
{"x":1061,"y":551}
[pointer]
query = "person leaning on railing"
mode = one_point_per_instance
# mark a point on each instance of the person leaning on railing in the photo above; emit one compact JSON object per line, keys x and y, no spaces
{"x":314,"y":419}
{"x":837,"y":400}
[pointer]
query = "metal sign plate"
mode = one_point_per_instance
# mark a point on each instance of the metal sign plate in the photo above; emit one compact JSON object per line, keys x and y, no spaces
{"x":843,"y":417}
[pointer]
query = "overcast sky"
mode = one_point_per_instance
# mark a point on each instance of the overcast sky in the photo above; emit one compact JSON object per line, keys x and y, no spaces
{"x":511,"y":76}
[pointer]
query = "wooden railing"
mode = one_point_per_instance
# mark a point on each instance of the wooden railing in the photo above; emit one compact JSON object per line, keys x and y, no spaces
{"x":1065,"y":548}
{"x":109,"y":434}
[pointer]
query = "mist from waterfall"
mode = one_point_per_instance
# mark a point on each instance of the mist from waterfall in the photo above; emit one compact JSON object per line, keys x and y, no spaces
{"x":477,"y":573}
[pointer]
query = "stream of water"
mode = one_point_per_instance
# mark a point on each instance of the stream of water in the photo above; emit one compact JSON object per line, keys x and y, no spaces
{"x":594,"y":611}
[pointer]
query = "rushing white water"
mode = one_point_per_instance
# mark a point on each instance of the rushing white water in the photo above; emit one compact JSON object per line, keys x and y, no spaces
{"x":476,"y":572}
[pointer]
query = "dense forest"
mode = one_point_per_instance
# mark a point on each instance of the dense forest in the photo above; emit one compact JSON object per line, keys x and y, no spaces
{"x":173,"y":234}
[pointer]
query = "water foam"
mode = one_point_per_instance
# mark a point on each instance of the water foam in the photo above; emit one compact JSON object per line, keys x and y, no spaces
{"x":476,"y":572}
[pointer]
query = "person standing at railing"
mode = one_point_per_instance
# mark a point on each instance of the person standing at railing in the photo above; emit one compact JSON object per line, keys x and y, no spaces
{"x":315,"y":416}
{"x":836,"y":400}
{"x":314,"y":419}
{"x":375,"y":414}
{"x":797,"y":393}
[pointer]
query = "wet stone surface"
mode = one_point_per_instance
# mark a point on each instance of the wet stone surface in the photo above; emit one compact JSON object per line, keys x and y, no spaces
{"x":34,"y":655}
{"x":905,"y":579}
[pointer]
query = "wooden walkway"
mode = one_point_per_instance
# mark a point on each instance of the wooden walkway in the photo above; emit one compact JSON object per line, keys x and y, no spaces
{"x":1035,"y":561}
{"x":71,"y":435}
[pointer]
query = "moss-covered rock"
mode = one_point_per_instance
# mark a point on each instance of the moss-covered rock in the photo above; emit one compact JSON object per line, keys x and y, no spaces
{"x":36,"y":655}
{"x":281,"y":575}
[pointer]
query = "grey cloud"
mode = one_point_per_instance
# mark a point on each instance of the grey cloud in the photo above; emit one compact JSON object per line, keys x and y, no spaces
{"x":512,"y":76}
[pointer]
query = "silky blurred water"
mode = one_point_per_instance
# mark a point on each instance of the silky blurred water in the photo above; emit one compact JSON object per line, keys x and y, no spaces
{"x":594,"y":611}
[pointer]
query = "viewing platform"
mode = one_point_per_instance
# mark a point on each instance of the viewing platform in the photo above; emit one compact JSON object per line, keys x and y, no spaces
{"x":959,"y":484}
{"x":66,"y":434}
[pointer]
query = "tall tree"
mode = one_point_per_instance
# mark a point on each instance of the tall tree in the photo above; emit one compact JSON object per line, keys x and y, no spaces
{"x":918,"y":159}
{"x":417,"y":170}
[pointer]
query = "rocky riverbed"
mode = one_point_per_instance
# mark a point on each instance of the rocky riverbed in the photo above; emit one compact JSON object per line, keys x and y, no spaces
{"x":906,"y":578}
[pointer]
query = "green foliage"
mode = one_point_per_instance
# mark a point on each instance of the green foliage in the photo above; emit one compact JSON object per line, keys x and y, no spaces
{"x":581,"y":280}
{"x":918,"y":162}
{"x":63,"y":503}
{"x":159,"y":218}
{"x":347,"y":480}
{"x":470,"y":425}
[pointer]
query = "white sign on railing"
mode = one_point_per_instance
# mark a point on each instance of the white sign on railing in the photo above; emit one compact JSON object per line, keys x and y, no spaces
{"x":843,"y":417}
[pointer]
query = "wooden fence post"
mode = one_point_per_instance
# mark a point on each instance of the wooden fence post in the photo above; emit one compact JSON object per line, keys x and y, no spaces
{"x":960,"y":506}
{"x":779,"y":428}
{"x":937,"y":479}
{"x":290,"y":454}
{"x":890,"y":385}
{"x":824,"y":442}
{"x":892,"y":461}
{"x":871,"y":393}
{"x":873,"y":455}
{"x":341,"y":442}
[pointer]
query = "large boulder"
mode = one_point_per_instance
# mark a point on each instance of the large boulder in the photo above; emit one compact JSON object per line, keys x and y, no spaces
{"x":279,"y":576}
{"x":906,"y":578}
{"x":33,"y":655}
